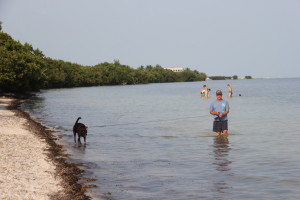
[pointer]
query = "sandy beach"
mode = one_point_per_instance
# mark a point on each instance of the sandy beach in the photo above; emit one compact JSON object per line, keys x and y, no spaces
{"x":32,"y":165}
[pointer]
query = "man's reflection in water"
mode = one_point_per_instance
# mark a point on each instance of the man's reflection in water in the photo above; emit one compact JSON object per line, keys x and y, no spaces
{"x":221,"y":151}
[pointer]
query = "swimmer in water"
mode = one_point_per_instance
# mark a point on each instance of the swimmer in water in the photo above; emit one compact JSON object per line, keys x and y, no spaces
{"x":204,"y":92}
{"x":229,"y":90}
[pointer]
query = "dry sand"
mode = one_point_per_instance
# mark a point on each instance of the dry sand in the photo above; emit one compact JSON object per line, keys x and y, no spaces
{"x":25,"y":170}
{"x":31,"y":165}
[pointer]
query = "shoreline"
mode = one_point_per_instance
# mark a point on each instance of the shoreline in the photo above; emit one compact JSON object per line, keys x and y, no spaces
{"x":33,"y":165}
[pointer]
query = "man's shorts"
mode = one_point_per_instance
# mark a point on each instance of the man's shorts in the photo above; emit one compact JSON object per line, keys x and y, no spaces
{"x":220,"y":126}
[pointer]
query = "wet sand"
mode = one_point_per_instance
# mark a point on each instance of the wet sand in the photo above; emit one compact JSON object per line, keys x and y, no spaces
{"x":32,"y":165}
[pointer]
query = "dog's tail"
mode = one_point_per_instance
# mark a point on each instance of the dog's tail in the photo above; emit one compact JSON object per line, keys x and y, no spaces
{"x":77,"y":120}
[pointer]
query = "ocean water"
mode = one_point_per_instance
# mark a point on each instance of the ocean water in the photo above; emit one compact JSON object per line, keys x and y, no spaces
{"x":155,"y":141}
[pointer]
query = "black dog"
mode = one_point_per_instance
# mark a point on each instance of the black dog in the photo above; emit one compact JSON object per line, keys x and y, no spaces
{"x":81,"y":131}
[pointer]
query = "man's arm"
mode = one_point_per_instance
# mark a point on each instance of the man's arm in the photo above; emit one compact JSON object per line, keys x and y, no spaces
{"x":224,"y":113}
{"x":213,"y":112}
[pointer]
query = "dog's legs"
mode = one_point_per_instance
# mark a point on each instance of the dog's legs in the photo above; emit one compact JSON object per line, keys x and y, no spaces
{"x":74,"y":136}
{"x":84,"y":139}
{"x":79,"y":142}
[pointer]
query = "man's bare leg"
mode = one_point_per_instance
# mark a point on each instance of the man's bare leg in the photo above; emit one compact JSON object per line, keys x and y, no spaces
{"x":225,"y":132}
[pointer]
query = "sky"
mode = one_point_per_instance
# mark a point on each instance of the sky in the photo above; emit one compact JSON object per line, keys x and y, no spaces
{"x":260,"y":38}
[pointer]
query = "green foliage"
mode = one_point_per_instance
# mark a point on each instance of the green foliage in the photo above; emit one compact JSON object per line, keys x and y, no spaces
{"x":187,"y":76}
{"x":235,"y":77}
{"x":20,"y":70}
{"x":220,"y":77}
{"x":248,"y":77}
{"x":25,"y":69}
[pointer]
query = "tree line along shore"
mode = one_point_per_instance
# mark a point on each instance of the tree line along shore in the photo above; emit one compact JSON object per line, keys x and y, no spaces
{"x":25,"y":69}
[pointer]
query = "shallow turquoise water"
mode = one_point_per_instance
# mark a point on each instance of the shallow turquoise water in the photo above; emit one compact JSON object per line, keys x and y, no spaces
{"x":155,"y":141}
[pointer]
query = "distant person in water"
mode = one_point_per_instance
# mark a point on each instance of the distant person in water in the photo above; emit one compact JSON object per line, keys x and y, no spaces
{"x":208,"y":91}
{"x":205,"y":91}
{"x":219,"y":108}
{"x":229,"y":90}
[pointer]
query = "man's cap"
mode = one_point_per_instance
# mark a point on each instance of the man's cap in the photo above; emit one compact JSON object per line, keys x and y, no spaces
{"x":218,"y":92}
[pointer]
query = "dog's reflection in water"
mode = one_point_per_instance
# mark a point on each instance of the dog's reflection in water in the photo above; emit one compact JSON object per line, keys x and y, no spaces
{"x":80,"y":147}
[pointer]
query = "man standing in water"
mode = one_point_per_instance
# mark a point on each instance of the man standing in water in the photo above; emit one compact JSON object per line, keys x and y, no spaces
{"x":220,"y":108}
